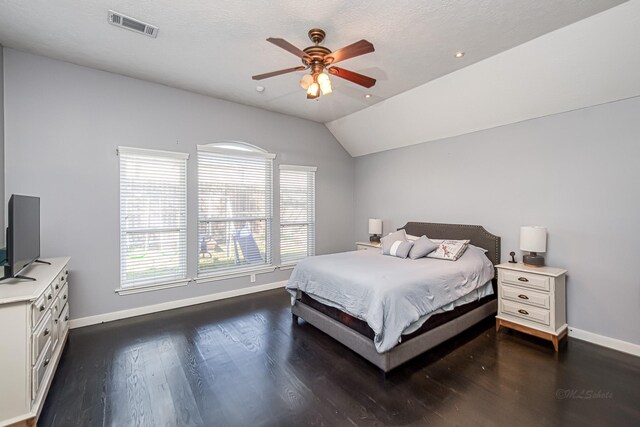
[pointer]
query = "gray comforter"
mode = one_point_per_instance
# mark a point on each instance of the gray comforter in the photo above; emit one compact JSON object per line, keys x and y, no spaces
{"x":390,"y":294}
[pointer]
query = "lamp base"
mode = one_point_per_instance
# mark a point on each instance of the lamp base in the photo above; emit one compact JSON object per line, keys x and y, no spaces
{"x":375,"y":238}
{"x":533,"y":259}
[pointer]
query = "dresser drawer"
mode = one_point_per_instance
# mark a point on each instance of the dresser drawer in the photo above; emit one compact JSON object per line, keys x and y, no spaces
{"x":37,"y":374}
{"x":38,"y":309}
{"x":523,"y":311}
{"x":526,"y":296}
{"x":48,"y":296}
{"x":63,"y":321}
{"x":64,"y":295}
{"x":534,"y":281}
{"x":57,"y":285}
{"x":41,"y":337}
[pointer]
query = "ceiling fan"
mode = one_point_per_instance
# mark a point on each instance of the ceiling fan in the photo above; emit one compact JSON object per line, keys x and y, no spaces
{"x":318,"y":59}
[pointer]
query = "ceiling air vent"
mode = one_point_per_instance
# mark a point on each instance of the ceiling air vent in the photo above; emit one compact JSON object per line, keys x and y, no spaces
{"x":129,"y":23}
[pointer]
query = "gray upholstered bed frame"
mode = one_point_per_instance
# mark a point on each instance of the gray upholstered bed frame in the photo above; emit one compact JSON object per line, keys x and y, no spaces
{"x":418,"y":345}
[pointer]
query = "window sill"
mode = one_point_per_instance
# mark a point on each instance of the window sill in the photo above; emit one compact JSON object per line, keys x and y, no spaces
{"x":288,"y":266}
{"x":231,"y":274}
{"x":154,"y":287}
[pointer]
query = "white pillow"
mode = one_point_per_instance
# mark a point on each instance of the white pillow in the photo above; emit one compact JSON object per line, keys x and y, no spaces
{"x":449,"y":250}
{"x":412,"y":238}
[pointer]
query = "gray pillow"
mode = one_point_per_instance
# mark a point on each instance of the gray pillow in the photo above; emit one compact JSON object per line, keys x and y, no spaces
{"x":388,"y":240}
{"x":398,"y":248}
{"x":395,"y":244}
{"x":422,"y":247}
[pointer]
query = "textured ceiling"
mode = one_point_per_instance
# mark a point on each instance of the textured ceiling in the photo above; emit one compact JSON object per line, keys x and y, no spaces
{"x":214,"y":47}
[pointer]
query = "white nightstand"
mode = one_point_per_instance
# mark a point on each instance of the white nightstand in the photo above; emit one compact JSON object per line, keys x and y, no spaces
{"x":532,"y":300}
{"x":368,"y":246}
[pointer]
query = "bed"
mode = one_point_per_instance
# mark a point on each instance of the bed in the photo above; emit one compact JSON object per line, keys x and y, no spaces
{"x":349,"y":328}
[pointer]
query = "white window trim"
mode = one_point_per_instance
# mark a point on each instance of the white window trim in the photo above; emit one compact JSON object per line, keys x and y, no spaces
{"x":236,"y":153}
{"x":299,"y":168}
{"x":133,"y":151}
{"x":153,"y":287}
{"x":231,"y":274}
{"x":161,"y":285}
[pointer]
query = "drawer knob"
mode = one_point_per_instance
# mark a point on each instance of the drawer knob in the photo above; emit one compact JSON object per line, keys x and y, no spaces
{"x":523,"y":279}
{"x":66,"y":272}
{"x":522,"y":296}
{"x":64,"y":296}
{"x":66,"y":318}
{"x":55,"y":320}
{"x":49,"y":296}
{"x":46,"y":332}
{"x":521,"y":311}
{"x":41,"y":308}
{"x":57,"y":287}
{"x":46,"y":362}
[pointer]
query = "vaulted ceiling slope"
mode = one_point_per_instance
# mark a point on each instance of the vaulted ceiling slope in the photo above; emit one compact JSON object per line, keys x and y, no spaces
{"x":214,"y":47}
{"x":591,"y":62}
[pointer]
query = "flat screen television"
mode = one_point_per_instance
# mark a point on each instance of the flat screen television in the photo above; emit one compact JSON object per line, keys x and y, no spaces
{"x":23,"y":234}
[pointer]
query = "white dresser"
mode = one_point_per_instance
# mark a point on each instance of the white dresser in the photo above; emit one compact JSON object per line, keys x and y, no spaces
{"x":533,"y":300}
{"x":34,"y":319}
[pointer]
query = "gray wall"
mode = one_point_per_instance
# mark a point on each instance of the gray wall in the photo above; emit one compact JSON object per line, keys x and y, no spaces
{"x":63,"y":125}
{"x":576,"y":173}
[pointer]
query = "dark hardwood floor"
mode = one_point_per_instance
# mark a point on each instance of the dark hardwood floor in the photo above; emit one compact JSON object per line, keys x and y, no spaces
{"x":241,"y":362}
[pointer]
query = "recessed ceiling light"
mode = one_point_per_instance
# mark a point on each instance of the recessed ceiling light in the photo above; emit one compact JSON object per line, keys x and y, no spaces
{"x":260,"y":89}
{"x":459,"y":54}
{"x":368,"y":96}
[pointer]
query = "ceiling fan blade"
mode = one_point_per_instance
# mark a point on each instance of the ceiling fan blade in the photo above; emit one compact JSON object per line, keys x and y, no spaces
{"x":277,"y":73}
{"x":282,"y":43}
{"x":354,"y":77}
{"x":356,"y":49}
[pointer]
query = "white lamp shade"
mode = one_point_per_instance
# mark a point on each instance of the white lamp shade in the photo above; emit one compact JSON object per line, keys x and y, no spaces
{"x":533,"y":238}
{"x":375,"y":226}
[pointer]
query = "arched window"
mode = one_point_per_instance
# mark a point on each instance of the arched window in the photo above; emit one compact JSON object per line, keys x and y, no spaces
{"x":235,"y":208}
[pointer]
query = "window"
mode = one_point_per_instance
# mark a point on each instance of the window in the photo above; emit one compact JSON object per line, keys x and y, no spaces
{"x":153,"y":217}
{"x":297,"y":213}
{"x":235,"y":208}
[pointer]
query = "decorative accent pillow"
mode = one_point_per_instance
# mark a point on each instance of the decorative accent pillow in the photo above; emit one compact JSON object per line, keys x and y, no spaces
{"x":422,"y":247}
{"x":450,"y":250}
{"x":390,"y":239}
{"x":412,"y":238}
{"x":398,"y":248}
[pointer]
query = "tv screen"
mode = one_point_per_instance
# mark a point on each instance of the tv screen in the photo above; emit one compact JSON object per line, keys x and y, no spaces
{"x":23,"y":233}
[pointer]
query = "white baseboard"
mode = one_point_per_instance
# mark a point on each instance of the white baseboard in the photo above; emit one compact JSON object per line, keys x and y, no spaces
{"x":139,"y":311}
{"x":616,"y":344}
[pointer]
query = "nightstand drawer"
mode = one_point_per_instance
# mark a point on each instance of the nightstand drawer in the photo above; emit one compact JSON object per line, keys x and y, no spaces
{"x":534,"y":281}
{"x":525,"y":296}
{"x":523,"y":311}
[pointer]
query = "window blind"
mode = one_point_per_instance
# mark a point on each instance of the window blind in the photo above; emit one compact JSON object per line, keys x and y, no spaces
{"x":297,"y":213}
{"x":235,"y":209}
{"x":153,"y":216}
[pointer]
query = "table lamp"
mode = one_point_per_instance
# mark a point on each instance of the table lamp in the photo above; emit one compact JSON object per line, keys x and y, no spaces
{"x":375,"y":228}
{"x":533,"y":239}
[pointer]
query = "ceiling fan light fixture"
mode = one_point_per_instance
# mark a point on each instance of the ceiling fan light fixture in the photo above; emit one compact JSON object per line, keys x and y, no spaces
{"x":313,"y":91}
{"x":325,"y":87}
{"x":322,"y":78}
{"x":306,"y":81}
